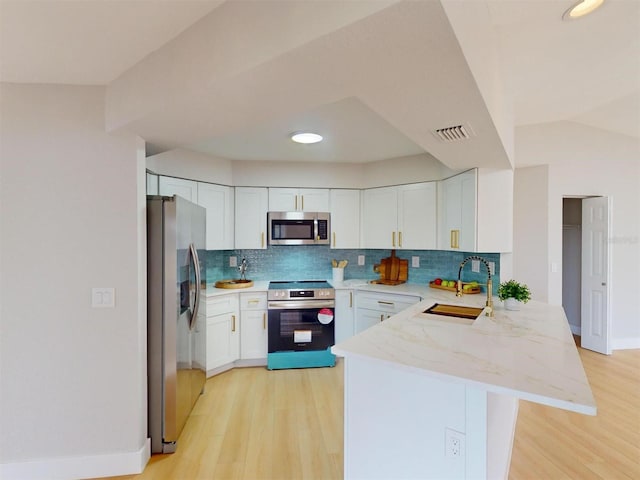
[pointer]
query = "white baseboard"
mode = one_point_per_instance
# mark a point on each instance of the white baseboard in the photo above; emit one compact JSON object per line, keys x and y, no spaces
{"x":575,"y":329}
{"x":253,"y":362}
{"x":71,"y":468}
{"x":625,"y":343}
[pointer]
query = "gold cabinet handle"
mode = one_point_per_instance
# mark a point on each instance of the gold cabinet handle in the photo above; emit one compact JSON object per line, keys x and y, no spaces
{"x":334,"y":239}
{"x":253,"y":301}
{"x":262,"y":240}
{"x":233,"y":323}
{"x":381,"y":318}
{"x":399,"y":239}
{"x":391,"y":304}
{"x":455,"y":238}
{"x":302,"y":201}
{"x":350,"y":299}
{"x":393,"y":239}
{"x":296,"y":204}
{"x":264,"y":321}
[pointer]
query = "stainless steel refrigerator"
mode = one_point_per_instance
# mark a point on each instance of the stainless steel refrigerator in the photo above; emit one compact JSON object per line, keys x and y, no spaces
{"x":176,"y":341}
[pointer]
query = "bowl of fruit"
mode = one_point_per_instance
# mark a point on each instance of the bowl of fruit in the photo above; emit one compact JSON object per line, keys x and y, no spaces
{"x":467,"y":287}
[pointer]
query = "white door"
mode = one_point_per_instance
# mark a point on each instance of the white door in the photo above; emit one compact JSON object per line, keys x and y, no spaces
{"x":595,"y":275}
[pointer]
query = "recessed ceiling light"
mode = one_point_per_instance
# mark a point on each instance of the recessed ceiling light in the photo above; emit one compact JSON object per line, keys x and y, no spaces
{"x":582,"y":8}
{"x":306,"y":137}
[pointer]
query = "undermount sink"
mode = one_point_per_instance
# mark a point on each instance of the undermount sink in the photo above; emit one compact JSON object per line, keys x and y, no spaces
{"x":234,"y":283}
{"x":455,"y":313}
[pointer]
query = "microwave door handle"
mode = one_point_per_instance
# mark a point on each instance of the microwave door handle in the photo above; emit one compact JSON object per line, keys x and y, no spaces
{"x":316,"y":233}
{"x":196,"y":301}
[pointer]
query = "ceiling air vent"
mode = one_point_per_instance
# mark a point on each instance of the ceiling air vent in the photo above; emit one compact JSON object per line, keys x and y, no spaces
{"x":452,"y":134}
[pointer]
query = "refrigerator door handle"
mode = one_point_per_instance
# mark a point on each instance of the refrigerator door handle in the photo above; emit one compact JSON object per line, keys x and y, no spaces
{"x":196,"y":301}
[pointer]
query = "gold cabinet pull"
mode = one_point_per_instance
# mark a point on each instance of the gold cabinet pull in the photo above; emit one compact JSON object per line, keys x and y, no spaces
{"x":393,"y":239}
{"x":350,"y":299}
{"x":334,"y":239}
{"x":233,"y":323}
{"x":302,"y":201}
{"x":264,"y":321}
{"x":382,"y":318}
{"x":296,"y":204}
{"x":399,"y":239}
{"x":262,"y":240}
{"x":455,"y":238}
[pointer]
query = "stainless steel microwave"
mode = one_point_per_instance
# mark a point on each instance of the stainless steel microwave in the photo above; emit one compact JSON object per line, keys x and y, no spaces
{"x":298,"y":228}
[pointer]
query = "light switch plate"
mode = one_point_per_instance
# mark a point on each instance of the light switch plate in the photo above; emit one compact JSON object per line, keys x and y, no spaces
{"x":103,"y":297}
{"x":360,"y":260}
{"x":475,"y":265}
{"x":492,"y":267}
{"x":233,"y":261}
{"x":415,"y":262}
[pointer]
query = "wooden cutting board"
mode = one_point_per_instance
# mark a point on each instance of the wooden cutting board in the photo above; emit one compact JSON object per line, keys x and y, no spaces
{"x":392,"y":270}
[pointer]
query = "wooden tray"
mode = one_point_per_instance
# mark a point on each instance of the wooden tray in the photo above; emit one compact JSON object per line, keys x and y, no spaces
{"x":382,"y":281}
{"x":453,"y":289}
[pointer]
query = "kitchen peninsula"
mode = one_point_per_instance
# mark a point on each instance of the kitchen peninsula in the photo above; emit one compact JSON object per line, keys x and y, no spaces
{"x":429,"y":396}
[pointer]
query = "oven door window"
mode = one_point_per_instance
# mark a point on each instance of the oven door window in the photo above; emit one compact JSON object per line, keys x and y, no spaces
{"x":299,"y":330}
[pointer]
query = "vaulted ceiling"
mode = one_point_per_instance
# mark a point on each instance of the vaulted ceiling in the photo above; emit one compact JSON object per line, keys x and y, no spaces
{"x":377,"y":78}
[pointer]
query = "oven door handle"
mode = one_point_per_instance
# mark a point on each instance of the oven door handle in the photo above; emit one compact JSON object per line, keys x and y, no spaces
{"x":299,"y":304}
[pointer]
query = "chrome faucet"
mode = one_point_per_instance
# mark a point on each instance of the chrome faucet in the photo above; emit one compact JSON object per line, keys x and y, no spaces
{"x":243,"y":269}
{"x":489,"y":309}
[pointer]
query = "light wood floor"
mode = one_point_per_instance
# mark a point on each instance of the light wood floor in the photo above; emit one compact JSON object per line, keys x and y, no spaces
{"x":255,"y":424}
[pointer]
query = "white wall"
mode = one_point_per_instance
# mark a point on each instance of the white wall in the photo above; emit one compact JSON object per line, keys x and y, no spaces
{"x":193,"y":165}
{"x":198,"y":166}
{"x":530,"y":229}
{"x":73,"y":382}
{"x":584,"y":161}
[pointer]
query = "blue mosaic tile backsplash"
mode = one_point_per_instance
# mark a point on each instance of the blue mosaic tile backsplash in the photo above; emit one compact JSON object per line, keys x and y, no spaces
{"x":311,"y":262}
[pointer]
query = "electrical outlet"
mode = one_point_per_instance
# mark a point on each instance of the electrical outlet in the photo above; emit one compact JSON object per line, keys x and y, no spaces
{"x":415,"y":262}
{"x":360,"y":260}
{"x":233,"y":261}
{"x":454,"y":444}
{"x":475,"y":265}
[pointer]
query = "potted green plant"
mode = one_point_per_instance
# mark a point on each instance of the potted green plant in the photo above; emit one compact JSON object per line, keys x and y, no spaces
{"x":512,"y":293}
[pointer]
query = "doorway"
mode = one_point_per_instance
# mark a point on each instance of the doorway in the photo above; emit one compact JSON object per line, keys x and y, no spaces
{"x":572,"y":261}
{"x":585,"y":269}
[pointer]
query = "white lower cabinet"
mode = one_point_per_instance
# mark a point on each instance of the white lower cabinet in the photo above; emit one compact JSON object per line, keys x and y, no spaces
{"x":223,"y":331}
{"x":253,"y":332}
{"x":373,"y":308}
{"x":344,"y":318}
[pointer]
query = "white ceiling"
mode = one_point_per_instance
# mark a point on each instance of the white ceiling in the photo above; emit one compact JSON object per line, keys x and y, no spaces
{"x":585,"y":71}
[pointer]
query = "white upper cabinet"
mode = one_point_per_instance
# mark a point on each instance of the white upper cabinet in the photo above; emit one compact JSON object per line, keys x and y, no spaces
{"x":251,"y":217}
{"x":402,"y":217}
{"x":345,"y":218}
{"x":475,"y":211}
{"x":417,"y":216}
{"x":457,"y":215}
{"x":379,"y":217}
{"x":152,"y":184}
{"x":170,"y":186}
{"x":298,"y":200}
{"x":219,"y":201}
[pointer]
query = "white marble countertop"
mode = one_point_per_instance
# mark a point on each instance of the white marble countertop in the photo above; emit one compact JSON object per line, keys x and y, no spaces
{"x":529,"y":354}
{"x":212,"y":291}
